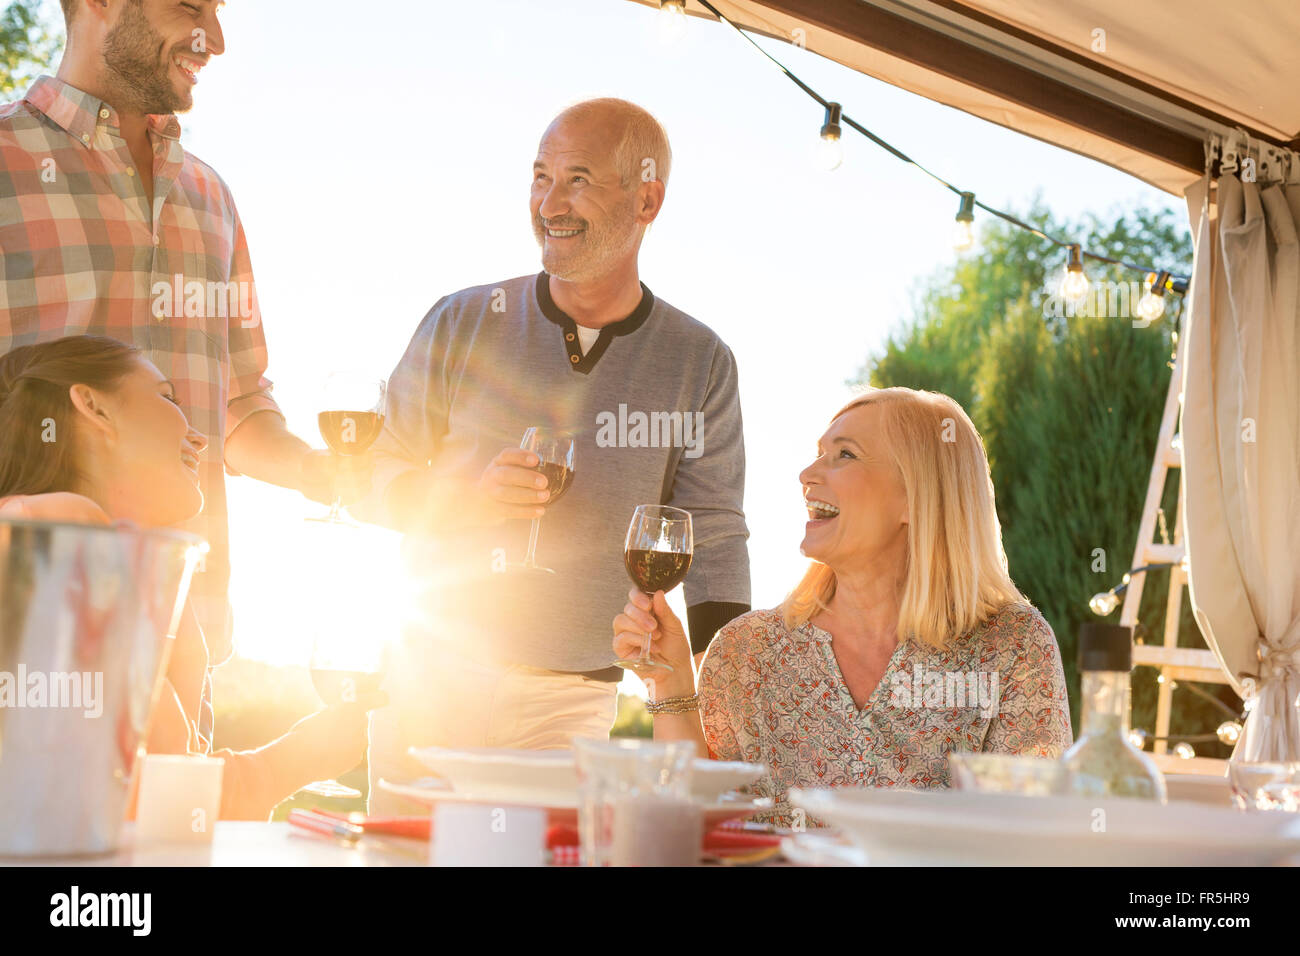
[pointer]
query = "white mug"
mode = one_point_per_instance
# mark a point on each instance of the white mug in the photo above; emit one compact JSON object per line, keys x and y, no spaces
{"x":480,"y":834}
{"x":180,"y":798}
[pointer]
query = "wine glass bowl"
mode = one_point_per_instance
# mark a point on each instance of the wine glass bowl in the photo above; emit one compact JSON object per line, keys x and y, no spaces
{"x":657,"y":555}
{"x":352,"y":420}
{"x":555,"y":454}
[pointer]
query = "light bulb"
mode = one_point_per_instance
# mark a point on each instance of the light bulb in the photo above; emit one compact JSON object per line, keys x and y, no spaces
{"x":830,"y":153}
{"x":1185,"y":750}
{"x":1074,"y":285}
{"x":963,"y":236}
{"x":1151,"y":306}
{"x":1229,"y":732}
{"x":672,"y":21}
{"x":1104,"y":603}
{"x":1137,"y":737}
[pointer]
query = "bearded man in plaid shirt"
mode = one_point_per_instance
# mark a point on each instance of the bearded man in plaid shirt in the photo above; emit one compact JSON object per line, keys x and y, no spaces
{"x":109,"y":227}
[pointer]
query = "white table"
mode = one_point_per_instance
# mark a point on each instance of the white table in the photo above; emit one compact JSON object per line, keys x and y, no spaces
{"x":254,"y":844}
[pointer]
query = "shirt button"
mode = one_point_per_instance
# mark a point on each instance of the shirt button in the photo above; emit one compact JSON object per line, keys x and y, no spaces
{"x":574,"y":359}
{"x":85,"y":137}
{"x":130,"y":171}
{"x":568,"y":336}
{"x":155,"y":240}
{"x":103,"y":114}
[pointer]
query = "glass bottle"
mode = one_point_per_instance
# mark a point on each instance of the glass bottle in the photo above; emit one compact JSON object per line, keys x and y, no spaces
{"x":1102,"y":762}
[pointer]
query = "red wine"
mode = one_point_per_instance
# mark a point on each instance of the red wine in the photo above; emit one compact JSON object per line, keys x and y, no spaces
{"x":653,"y":571}
{"x":350,"y":433}
{"x":558,"y":479}
{"x":335,"y":687}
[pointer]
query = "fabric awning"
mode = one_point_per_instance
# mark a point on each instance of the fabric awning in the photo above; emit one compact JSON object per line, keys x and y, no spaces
{"x":1140,"y":96}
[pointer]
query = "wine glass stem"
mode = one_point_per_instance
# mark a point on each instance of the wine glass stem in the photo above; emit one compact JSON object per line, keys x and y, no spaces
{"x":645,"y":648}
{"x":530,"y":561}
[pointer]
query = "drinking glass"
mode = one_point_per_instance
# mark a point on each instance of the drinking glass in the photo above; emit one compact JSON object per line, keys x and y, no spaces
{"x":345,"y":668}
{"x":354,"y":406}
{"x":1265,"y":786}
{"x":554,"y":451}
{"x":657,"y":554}
{"x":634,"y":802}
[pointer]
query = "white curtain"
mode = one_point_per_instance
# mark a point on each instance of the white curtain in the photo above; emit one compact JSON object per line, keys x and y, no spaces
{"x":1241,"y":451}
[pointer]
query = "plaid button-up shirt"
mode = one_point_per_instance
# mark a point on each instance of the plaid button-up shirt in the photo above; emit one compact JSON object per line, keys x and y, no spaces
{"x":83,"y":250}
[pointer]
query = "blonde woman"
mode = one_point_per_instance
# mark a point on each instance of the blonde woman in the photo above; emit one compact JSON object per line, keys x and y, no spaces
{"x":905,"y":640}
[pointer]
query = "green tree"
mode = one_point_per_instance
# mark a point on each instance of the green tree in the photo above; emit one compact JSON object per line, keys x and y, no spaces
{"x":29,"y":43}
{"x":1068,"y":403}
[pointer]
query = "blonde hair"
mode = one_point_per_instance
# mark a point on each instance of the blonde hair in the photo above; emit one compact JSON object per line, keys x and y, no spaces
{"x":956,"y":575}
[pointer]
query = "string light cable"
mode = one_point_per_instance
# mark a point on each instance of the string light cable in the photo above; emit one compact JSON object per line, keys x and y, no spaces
{"x":1159,"y":282}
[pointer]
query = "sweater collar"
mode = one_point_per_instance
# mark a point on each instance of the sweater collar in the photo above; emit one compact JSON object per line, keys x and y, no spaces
{"x":554,"y":314}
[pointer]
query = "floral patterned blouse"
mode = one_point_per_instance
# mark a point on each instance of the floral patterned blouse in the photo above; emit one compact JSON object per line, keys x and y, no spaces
{"x":772,"y":695}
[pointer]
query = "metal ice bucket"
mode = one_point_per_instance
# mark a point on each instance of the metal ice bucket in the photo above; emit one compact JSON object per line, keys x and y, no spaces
{"x":86,"y":614}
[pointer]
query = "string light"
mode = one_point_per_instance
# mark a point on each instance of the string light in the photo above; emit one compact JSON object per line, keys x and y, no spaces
{"x":1106,"y":602}
{"x":830,"y":152}
{"x":1137,"y":737}
{"x":1075,"y":277}
{"x":1152,"y":304}
{"x":672,"y":20}
{"x":1074,"y":284}
{"x":1185,"y":750}
{"x":1229,"y":732}
{"x":963,"y":236}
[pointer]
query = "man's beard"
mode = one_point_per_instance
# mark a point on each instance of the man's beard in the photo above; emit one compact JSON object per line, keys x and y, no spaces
{"x":600,"y":244}
{"x":138,"y":80}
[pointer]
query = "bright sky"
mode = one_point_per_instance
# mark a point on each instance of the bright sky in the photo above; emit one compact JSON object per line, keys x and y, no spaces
{"x":380,"y":155}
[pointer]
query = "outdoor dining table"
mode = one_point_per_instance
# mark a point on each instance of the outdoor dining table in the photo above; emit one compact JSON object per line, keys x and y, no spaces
{"x":242,"y":843}
{"x":256,"y":844}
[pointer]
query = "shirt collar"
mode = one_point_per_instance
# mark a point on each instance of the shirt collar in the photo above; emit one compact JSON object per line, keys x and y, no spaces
{"x":578,"y":361}
{"x":79,"y":114}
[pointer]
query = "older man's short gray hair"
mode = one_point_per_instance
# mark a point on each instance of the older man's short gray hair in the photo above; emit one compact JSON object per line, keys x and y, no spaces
{"x":643,"y":151}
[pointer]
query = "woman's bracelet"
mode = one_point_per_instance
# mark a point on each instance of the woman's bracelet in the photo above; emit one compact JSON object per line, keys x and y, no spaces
{"x":673,"y":705}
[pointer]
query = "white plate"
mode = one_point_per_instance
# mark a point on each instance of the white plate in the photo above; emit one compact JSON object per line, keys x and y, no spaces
{"x":821,"y":848}
{"x":956,"y":827}
{"x":535,"y":776}
{"x":563,"y":807}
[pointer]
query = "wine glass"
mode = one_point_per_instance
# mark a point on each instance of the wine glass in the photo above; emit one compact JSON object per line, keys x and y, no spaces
{"x":345,"y":668}
{"x":354,"y":417}
{"x":657,"y":555}
{"x":554,"y":451}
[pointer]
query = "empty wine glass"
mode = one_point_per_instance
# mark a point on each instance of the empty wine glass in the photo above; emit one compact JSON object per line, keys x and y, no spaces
{"x":345,"y":668}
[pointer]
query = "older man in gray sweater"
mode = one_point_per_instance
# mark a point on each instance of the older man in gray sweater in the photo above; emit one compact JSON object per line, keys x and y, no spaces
{"x":512,"y":659}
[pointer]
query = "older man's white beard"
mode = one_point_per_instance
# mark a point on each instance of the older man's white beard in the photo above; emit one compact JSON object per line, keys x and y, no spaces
{"x":589,"y":264}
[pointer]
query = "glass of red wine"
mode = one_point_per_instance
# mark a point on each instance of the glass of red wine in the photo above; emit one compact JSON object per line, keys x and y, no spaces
{"x":555,"y":453}
{"x":346,"y":667}
{"x":657,"y":555}
{"x":355,"y":418}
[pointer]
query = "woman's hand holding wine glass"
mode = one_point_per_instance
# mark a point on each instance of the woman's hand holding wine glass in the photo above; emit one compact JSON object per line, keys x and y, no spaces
{"x":650,"y":614}
{"x":657,"y":554}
